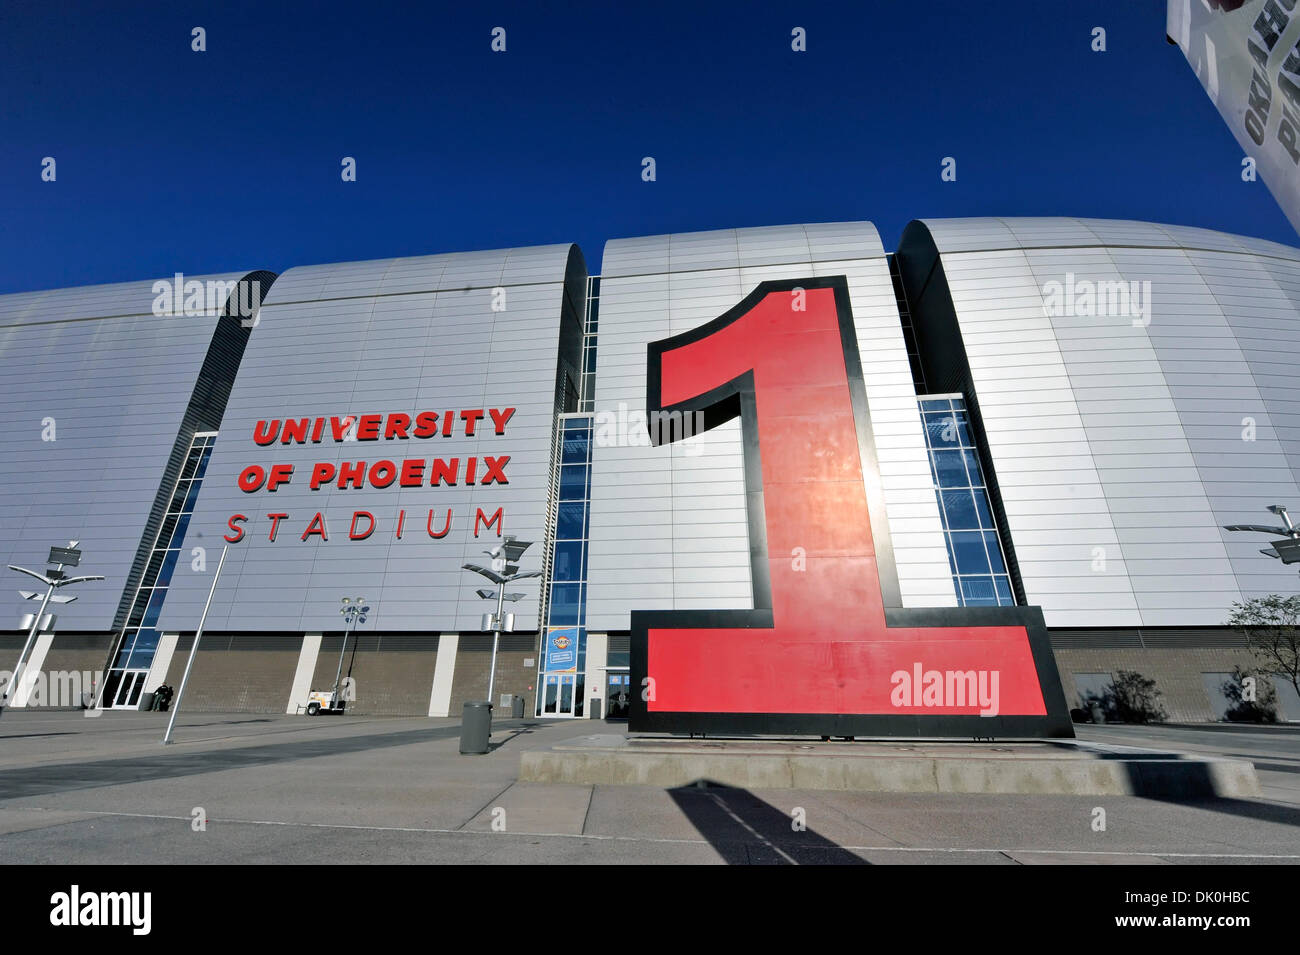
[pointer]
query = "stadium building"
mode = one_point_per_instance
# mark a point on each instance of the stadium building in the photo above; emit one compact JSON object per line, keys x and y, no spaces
{"x":1066,"y":413}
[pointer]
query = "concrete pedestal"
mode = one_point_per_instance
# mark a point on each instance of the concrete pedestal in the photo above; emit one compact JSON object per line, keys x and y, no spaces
{"x":1065,"y":767}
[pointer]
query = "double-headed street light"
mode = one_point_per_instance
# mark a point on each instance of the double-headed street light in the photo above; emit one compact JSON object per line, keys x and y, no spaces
{"x":1286,"y":550}
{"x":53,"y":579}
{"x":354,"y":613}
{"x":504,"y":570}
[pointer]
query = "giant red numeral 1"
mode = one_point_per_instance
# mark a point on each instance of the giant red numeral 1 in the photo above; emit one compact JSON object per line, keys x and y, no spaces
{"x":820,"y":652}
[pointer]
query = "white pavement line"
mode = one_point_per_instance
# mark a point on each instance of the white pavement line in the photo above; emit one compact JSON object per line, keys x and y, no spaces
{"x":655,"y":839}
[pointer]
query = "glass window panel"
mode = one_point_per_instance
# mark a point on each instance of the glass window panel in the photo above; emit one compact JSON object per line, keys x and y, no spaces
{"x":204,"y":458}
{"x":573,"y":482}
{"x":164,"y":576}
{"x":142,"y":652}
{"x":151,"y":569}
{"x":979,"y":592}
{"x":146,"y":639}
{"x":165,"y":532}
{"x":968,"y":548}
{"x":949,"y":469}
{"x":973,"y":466}
{"x":575,"y":447}
{"x":995,"y":552}
{"x":963,"y":429}
{"x":569,"y":520}
{"x":618,"y":658}
{"x":568,"y":560}
{"x":177,"y":503}
{"x":566,"y":605}
{"x":982,"y":506}
{"x":960,"y":508}
{"x":935,"y":404}
{"x":124,"y":653}
{"x":192,"y":495}
{"x":178,"y":532}
{"x":154,"y":608}
{"x":1003,"y":587}
{"x":941,"y":430}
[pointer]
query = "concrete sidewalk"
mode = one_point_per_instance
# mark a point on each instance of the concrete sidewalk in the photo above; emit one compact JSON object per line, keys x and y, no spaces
{"x":298,"y":790}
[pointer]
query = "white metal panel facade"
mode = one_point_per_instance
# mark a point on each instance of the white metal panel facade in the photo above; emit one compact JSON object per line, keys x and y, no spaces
{"x":1124,"y":438}
{"x":403,"y":335}
{"x":668,"y":524}
{"x":91,"y":403}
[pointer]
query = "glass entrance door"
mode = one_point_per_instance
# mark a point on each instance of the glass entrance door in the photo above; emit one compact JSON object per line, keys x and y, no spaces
{"x":619,"y":701}
{"x":559,"y":694}
{"x":123,"y":689}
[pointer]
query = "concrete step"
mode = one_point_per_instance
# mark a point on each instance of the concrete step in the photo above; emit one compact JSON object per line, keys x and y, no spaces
{"x":1054,"y":767}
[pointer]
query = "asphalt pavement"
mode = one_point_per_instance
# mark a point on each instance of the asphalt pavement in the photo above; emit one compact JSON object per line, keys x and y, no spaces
{"x":249,"y":789}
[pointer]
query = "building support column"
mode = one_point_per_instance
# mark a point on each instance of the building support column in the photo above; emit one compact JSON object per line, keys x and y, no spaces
{"x":31,"y":670}
{"x":162,"y":659}
{"x":301,"y":688}
{"x":444,"y":671}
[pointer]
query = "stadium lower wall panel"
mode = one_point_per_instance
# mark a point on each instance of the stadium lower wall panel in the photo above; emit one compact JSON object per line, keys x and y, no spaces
{"x":398,"y":680}
{"x":236,"y":680}
{"x":1177,"y":673}
{"x":387,"y":682}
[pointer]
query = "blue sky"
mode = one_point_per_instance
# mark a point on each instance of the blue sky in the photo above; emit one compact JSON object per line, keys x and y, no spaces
{"x":170,"y":160}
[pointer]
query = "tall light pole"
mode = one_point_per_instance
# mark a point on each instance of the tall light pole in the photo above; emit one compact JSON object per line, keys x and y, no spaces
{"x":505,"y":570}
{"x":1286,"y":550}
{"x":194,"y":650}
{"x":354,"y":612}
{"x":53,"y":579}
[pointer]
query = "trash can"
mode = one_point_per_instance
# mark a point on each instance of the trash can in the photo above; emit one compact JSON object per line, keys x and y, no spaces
{"x":517,"y":707}
{"x":146,"y":700}
{"x":475,"y":726}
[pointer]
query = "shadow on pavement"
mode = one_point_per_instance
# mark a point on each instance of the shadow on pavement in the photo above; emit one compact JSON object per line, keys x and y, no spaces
{"x":1246,"y":808}
{"x":744,"y":830}
{"x":527,"y":728}
{"x":177,"y":762}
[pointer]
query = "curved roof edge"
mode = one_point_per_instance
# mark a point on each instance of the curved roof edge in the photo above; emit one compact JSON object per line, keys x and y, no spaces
{"x":525,"y":265}
{"x":117,"y":300}
{"x":740,"y":248}
{"x":990,"y":234}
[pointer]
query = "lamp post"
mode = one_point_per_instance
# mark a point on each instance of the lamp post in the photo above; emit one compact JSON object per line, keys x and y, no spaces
{"x":1286,"y":550}
{"x":504,"y":570}
{"x":68,"y":556}
{"x":354,"y":612}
